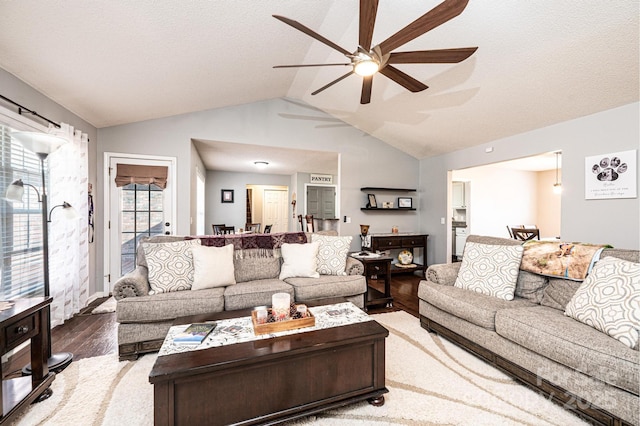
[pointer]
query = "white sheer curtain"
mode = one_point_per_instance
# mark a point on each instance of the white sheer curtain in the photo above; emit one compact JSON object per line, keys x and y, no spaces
{"x":68,"y":239}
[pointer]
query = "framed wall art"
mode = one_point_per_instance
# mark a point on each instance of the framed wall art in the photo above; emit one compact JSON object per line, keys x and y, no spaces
{"x":227,"y":195}
{"x":612,"y":175}
{"x":372,"y":204}
{"x":405,"y":202}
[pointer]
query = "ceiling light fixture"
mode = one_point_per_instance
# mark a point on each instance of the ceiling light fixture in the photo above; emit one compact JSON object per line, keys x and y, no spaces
{"x":261,"y":164}
{"x":365,"y":65}
{"x":557,"y":187}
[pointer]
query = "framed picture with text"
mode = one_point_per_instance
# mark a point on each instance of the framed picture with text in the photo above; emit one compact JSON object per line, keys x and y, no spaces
{"x":227,"y":195}
{"x":405,"y":202}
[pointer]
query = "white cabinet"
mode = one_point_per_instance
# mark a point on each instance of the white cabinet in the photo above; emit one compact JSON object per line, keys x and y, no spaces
{"x":461,"y":239}
{"x":458,"y":200}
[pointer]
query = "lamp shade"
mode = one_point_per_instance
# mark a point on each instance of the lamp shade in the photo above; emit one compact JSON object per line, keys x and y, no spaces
{"x":69,"y":212}
{"x":39,"y":143}
{"x":15,"y":191}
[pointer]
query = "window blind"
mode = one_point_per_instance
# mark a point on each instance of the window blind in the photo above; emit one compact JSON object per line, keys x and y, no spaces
{"x":20,"y":223}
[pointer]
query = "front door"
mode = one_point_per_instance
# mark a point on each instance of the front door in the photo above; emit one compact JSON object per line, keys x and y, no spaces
{"x":135,"y":211}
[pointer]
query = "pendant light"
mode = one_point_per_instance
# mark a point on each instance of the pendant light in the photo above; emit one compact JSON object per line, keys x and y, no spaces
{"x":557,"y":187}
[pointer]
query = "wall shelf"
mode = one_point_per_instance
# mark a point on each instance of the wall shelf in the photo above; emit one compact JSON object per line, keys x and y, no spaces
{"x":380,"y":209}
{"x":373,"y":188}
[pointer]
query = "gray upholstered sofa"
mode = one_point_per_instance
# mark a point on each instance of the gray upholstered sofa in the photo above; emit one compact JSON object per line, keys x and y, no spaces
{"x":144,"y":319}
{"x":530,"y":338}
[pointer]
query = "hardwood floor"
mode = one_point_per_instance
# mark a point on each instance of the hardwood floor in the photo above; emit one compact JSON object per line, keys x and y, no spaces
{"x":86,"y":335}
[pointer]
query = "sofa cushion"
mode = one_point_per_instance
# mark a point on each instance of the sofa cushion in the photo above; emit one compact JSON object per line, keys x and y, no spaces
{"x":253,"y":293}
{"x":170,"y":265}
{"x":169,"y":306}
{"x":490,"y":269}
{"x":559,"y":292}
{"x":249,"y":266}
{"x":531,"y":286}
{"x":212,"y":267}
{"x":332,"y":254}
{"x":609,"y":300}
{"x":476,"y":308}
{"x":306,"y":289}
{"x":299,"y":260}
{"x":550,"y":333}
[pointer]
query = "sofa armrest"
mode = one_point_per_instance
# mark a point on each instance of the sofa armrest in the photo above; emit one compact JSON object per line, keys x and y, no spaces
{"x":132,"y":284}
{"x":354,"y":266}
{"x":443,"y":274}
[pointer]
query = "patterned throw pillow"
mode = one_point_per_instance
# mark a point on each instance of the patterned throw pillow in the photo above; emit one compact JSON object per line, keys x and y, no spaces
{"x":170,"y":265}
{"x":490,"y":269}
{"x":609,"y":300}
{"x":332,"y":254}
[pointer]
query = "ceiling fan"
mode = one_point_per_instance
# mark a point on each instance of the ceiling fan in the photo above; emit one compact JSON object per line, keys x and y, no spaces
{"x":366,"y":61}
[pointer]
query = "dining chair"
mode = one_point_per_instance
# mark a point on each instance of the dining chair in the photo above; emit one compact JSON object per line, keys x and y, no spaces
{"x":525,"y":234}
{"x":267,"y":229}
{"x":306,"y":223}
{"x":252,"y":227}
{"x":217,"y":228}
{"x":228,"y":230}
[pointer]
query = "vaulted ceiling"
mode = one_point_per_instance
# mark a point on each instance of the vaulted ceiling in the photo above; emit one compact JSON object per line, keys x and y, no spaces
{"x":538,"y":62}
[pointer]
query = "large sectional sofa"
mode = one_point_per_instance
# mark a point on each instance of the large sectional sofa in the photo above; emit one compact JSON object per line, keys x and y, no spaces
{"x":531,"y":338}
{"x":144,"y":318}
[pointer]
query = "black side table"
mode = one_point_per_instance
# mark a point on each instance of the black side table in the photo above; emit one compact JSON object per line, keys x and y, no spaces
{"x":380,"y":267}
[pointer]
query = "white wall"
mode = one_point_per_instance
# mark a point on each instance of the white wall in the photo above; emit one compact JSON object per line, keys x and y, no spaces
{"x":499,"y":197}
{"x":592,"y":221}
{"x":549,"y":206}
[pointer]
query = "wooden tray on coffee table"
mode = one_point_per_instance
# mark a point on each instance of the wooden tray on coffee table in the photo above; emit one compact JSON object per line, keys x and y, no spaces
{"x":274,"y":327}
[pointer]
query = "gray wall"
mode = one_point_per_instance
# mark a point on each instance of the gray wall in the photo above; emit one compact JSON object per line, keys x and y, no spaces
{"x":16,"y":90}
{"x":364,"y":160}
{"x":233,"y":214}
{"x":614,"y":222}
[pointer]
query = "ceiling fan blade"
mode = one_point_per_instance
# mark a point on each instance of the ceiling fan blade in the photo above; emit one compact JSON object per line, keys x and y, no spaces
{"x":442,"y":56}
{"x":403,"y":79}
{"x":332,"y":83}
{"x":307,"y":65}
{"x":368,"y":10}
{"x":440,"y":14}
{"x":367,"y":83}
{"x":308,"y":31}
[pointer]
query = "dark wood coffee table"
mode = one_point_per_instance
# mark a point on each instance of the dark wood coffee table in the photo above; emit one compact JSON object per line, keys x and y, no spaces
{"x":272,"y":380}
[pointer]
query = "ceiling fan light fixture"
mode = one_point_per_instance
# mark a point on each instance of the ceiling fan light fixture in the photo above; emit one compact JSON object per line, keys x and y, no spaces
{"x":365,"y":66}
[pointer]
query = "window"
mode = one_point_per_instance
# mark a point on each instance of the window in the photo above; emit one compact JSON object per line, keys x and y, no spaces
{"x":142,"y":216}
{"x":20,"y":223}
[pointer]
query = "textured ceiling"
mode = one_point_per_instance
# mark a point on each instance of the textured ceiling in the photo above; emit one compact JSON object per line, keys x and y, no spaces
{"x":538,"y":62}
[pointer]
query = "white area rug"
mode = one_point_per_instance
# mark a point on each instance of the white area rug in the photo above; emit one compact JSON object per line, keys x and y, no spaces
{"x":105,"y":307}
{"x":430,"y":382}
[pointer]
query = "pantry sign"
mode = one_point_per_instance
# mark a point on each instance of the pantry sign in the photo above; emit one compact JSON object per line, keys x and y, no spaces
{"x":325,"y":179}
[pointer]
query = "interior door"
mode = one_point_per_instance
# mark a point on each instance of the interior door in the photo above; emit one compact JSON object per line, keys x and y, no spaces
{"x":276,"y":210}
{"x":321,"y":202}
{"x":135,"y":211}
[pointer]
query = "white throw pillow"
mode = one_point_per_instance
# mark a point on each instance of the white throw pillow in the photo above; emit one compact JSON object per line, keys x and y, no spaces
{"x":213,"y":267}
{"x":332,"y":253}
{"x":299,"y":260}
{"x":490,"y":269}
{"x":609,"y":300}
{"x":170,"y":265}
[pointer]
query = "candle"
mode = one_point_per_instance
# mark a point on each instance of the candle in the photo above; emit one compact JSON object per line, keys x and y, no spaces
{"x":280,"y":306}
